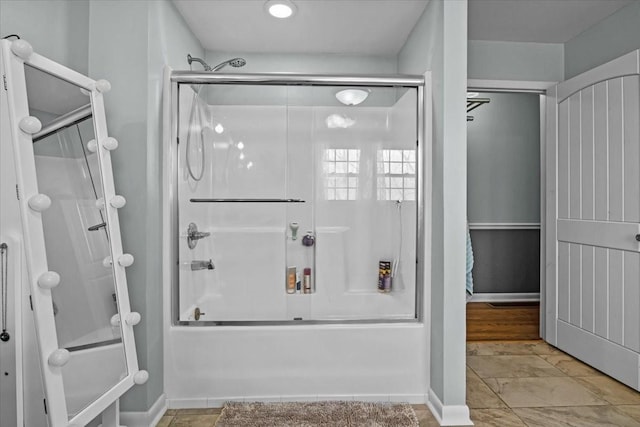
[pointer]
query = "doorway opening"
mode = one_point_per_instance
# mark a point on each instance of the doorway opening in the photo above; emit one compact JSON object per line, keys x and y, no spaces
{"x":504,"y":164}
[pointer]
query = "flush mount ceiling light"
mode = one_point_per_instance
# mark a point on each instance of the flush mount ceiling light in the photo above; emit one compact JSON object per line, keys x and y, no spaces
{"x":280,"y":8}
{"x":352,"y":96}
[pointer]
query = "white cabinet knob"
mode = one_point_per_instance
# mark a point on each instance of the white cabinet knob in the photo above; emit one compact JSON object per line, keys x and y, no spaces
{"x":59,"y":358}
{"x":39,"y":202}
{"x":30,"y":125}
{"x":49,"y":280}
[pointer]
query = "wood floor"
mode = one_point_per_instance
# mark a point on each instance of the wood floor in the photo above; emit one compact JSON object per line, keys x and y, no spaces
{"x":502,"y":321}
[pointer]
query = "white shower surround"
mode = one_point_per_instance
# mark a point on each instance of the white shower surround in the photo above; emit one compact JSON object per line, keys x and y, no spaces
{"x":206,"y":366}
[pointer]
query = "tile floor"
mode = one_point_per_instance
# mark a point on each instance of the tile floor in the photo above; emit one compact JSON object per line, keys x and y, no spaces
{"x":514,"y":384}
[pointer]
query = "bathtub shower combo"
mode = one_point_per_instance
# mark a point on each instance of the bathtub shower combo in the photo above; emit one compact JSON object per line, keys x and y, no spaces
{"x":297,"y":198}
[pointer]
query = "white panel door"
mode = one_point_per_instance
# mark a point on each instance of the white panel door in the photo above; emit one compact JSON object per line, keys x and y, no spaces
{"x":593,"y":218}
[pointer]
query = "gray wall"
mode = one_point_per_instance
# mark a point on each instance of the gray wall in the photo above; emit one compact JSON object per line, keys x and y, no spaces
{"x":439,"y":43}
{"x":304,"y":63}
{"x":58,"y":30}
{"x":120,"y":32}
{"x":608,"y":39}
{"x":504,"y":159}
{"x":506,"y":261}
{"x":496,"y":60}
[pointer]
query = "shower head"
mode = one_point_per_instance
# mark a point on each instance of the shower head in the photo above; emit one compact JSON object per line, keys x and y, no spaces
{"x":234,"y":62}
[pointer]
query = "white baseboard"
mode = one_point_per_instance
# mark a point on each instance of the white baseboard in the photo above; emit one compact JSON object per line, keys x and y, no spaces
{"x":448,"y":415}
{"x":145,"y":419}
{"x":505,"y":297}
{"x":219,"y":402}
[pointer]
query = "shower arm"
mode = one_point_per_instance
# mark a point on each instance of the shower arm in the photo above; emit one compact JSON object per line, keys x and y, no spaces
{"x":206,"y":66}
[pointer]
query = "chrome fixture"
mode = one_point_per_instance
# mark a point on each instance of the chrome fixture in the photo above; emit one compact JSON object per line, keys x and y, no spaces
{"x":197,"y":313}
{"x":193,"y":235}
{"x":206,"y":66}
{"x":97,"y":226}
{"x":202,"y":265}
{"x":234,"y":62}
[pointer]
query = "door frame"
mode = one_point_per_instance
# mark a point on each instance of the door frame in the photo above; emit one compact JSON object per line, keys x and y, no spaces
{"x":540,"y":88}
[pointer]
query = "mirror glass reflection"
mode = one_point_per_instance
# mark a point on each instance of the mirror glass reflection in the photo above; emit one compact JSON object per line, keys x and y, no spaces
{"x":76,"y":239}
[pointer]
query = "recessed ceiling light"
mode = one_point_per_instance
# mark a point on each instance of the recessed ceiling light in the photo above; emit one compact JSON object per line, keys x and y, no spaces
{"x":280,"y":8}
{"x":352,"y":96}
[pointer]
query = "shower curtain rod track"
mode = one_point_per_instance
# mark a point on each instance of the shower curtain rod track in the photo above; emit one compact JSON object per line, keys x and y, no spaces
{"x":63,"y":121}
{"x":247,"y":201}
{"x":298,"y":79}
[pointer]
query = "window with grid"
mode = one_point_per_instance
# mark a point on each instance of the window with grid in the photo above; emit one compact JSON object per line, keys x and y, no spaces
{"x":396,"y":174}
{"x":341,"y":167}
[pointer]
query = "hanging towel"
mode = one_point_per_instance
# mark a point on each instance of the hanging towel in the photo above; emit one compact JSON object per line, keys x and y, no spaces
{"x":469,"y":264}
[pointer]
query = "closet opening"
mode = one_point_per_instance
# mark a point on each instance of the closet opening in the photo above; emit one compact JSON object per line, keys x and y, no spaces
{"x":505,"y":142}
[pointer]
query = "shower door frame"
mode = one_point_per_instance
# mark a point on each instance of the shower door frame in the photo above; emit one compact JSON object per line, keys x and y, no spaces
{"x":418,"y":82}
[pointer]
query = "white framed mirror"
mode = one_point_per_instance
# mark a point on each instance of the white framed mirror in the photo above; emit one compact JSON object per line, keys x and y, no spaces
{"x":75,"y":261}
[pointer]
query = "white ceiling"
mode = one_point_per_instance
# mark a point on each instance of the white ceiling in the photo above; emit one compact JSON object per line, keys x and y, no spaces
{"x":379,"y":27}
{"x":364,"y":27}
{"x":541,"y":21}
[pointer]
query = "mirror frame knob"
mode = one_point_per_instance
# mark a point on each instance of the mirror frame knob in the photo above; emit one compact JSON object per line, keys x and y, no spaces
{"x":22,"y":49}
{"x":39,"y":202}
{"x":30,"y":125}
{"x":49,"y":280}
{"x":118,"y":201}
{"x":133,"y":318}
{"x":59,"y":358}
{"x":140,"y":377}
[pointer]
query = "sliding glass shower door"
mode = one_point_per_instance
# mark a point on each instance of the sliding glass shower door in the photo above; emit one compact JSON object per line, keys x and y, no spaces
{"x":293,"y":206}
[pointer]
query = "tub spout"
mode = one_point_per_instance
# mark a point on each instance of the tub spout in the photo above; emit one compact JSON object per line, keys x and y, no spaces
{"x":202,"y":265}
